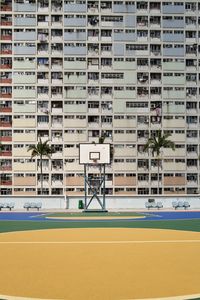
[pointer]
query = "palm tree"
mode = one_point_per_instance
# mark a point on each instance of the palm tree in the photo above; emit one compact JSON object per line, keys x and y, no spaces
{"x":41,"y":150}
{"x":155,"y":143}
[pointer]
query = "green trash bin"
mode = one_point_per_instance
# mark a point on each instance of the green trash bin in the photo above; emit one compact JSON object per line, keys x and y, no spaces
{"x":80,"y":204}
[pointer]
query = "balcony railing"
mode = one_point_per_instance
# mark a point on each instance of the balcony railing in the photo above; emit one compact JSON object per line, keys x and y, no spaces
{"x":5,"y":138}
{"x":5,"y":153}
{"x":5,"y":51}
{"x":5,"y":124}
{"x":6,"y":37}
{"x":5,"y":182}
{"x":5,"y":95}
{"x":6,"y":66}
{"x":5,"y":109}
{"x":6,"y":7}
{"x":6,"y":168}
{"x":5,"y":23}
{"x":5,"y":80}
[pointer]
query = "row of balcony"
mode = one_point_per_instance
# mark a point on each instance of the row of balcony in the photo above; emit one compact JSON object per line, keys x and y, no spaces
{"x":57,"y":135}
{"x":60,"y":182}
{"x":94,"y":121}
{"x":190,"y":108}
{"x":108,"y":191}
{"x":104,"y":7}
{"x":56,"y":7}
{"x":191,"y":166}
{"x":119,"y":104}
{"x":84,"y":138}
{"x":181,"y":151}
{"x":124,"y":77}
{"x":57,"y":64}
{"x":95,"y":108}
{"x":118,"y":50}
{"x":25,"y":165}
{"x":94,"y":35}
{"x":106,"y":34}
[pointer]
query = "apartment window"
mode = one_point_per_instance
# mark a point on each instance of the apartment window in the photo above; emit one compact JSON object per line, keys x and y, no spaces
{"x":30,"y":190}
{"x":130,"y":131}
{"x":130,"y":59}
{"x":179,"y":131}
{"x":119,"y":160}
{"x":136,"y":47}
{"x":112,"y":19}
{"x":29,"y":117}
{"x":80,"y":59}
{"x":178,"y":3}
{"x":136,"y":104}
{"x":119,"y":131}
{"x":130,"y":88}
{"x":192,"y":119}
{"x":112,"y":75}
{"x":190,"y":6}
{"x":143,"y":191}
{"x":142,"y":33}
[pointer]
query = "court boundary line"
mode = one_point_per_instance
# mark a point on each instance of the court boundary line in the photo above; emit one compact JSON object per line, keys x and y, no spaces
{"x":183,"y":297}
{"x":100,"y":242}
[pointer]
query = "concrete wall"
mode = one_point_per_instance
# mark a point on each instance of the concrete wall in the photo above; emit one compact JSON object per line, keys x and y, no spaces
{"x":137,"y":202}
{"x":48,"y":202}
{"x":119,"y":202}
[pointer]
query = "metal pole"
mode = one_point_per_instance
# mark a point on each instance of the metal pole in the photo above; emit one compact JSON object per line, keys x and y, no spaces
{"x":85,"y":175}
{"x":104,"y":186}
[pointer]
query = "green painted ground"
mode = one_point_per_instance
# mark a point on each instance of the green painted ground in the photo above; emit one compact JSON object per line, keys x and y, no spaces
{"x":187,"y":225}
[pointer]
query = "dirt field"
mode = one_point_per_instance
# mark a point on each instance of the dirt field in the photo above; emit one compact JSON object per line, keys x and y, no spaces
{"x":99,"y":264}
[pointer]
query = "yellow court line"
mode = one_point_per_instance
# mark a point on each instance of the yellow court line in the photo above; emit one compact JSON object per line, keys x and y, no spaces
{"x":102,"y":242}
{"x":97,"y":218}
{"x":185,"y":297}
{"x":6,"y":297}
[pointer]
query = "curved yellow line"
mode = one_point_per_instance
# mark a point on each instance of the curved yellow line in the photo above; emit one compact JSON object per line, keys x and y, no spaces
{"x":96,"y":218}
{"x":185,"y":297}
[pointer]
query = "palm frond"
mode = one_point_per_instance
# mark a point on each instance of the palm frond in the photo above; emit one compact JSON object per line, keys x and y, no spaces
{"x":41,"y":149}
{"x":158,"y":141}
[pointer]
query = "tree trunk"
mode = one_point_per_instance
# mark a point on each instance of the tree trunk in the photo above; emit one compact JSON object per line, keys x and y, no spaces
{"x":41,"y":174}
{"x":158,"y":176}
{"x":159,"y":161}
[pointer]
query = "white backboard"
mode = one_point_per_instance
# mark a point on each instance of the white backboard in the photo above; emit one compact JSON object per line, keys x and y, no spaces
{"x":94,"y":153}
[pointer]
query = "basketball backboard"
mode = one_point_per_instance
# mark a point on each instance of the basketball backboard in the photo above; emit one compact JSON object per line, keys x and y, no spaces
{"x":94,"y":153}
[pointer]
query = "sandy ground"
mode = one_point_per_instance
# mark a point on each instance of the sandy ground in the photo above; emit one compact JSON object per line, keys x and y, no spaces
{"x":100,"y":264}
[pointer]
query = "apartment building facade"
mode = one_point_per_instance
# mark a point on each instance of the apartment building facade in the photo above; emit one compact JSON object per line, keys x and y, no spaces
{"x":73,"y":71}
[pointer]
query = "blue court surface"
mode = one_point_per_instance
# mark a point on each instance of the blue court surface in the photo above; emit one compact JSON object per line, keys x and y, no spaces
{"x":149,"y":216}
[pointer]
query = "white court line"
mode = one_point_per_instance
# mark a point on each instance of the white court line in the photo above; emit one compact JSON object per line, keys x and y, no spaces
{"x":36,"y":216}
{"x":101,"y":242}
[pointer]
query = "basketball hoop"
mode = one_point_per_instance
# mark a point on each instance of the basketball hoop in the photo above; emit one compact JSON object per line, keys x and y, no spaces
{"x":94,"y":153}
{"x":94,"y":157}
